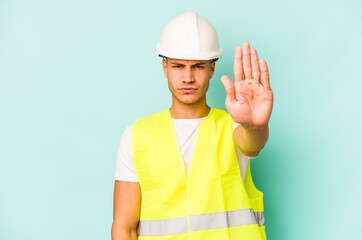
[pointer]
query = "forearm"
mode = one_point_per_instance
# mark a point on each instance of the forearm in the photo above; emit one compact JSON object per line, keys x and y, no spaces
{"x":250,"y":142}
{"x":124,"y":234}
{"x":126,"y":210}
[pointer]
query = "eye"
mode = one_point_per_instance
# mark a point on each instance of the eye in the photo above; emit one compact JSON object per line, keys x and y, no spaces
{"x":199,"y":66}
{"x":176,"y":66}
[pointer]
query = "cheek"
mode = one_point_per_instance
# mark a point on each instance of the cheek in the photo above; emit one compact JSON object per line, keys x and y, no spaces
{"x":206,"y":85}
{"x":205,"y":77}
{"x":174,"y":78}
{"x":171,"y":85}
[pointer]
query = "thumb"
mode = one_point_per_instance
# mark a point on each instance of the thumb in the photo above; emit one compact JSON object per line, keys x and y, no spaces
{"x":229,"y":87}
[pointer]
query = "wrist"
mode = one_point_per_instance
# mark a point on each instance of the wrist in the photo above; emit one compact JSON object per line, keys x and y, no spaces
{"x":254,"y":128}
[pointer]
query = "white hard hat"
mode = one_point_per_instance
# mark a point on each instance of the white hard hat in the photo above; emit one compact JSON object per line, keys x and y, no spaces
{"x":189,"y":36}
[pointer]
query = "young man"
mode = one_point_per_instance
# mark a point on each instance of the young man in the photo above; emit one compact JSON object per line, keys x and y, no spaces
{"x":183,"y":173}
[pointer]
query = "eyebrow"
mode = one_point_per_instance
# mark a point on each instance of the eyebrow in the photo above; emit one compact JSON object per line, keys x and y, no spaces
{"x":199,"y":63}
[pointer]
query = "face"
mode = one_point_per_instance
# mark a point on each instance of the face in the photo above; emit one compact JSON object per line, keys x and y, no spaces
{"x":188,"y":80}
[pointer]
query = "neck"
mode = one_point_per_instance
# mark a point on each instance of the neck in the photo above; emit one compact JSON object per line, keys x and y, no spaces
{"x":184,"y":111}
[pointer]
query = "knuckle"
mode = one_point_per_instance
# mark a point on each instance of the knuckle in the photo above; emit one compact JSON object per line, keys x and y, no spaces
{"x":247,"y":68}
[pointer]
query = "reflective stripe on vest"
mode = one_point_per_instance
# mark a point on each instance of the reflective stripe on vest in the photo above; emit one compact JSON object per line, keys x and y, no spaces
{"x":200,"y":222}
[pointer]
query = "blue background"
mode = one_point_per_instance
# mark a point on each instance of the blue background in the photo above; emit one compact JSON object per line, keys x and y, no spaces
{"x":75,"y":73}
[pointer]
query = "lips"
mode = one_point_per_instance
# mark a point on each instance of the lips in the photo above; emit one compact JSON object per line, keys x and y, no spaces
{"x":188,"y":90}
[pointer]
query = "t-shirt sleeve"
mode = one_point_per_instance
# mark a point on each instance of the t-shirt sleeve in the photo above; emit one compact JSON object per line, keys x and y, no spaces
{"x":124,"y":165}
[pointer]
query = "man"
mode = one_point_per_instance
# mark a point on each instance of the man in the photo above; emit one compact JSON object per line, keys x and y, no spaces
{"x":183,"y":173}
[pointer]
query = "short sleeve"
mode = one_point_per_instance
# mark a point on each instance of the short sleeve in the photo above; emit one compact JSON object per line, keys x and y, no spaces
{"x":124,"y":165}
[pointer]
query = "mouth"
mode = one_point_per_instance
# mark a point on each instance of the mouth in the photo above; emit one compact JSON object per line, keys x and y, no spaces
{"x":188,"y":90}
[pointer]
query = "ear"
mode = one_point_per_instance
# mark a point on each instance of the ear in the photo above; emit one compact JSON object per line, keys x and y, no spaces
{"x":164,"y":66}
{"x":212,"y":68}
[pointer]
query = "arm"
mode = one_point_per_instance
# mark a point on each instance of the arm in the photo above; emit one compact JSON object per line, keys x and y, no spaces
{"x":249,"y":101}
{"x":126,"y":210}
{"x":250,"y":142}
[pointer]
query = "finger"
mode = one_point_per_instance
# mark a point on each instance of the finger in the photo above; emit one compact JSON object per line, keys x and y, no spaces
{"x":246,"y":60}
{"x":238,"y":66}
{"x":255,"y":65}
{"x":264,"y":74}
{"x":229,"y":87}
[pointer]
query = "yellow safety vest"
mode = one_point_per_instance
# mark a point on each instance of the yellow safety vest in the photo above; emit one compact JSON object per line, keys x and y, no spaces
{"x":212,"y":202}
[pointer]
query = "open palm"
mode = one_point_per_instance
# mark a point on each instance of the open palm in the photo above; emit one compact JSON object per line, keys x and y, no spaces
{"x":250,"y":100}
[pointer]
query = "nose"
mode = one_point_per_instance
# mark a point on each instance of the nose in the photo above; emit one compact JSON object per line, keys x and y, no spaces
{"x":188,"y":75}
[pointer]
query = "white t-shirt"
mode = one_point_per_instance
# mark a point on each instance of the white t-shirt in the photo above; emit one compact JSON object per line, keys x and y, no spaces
{"x":186,"y":131}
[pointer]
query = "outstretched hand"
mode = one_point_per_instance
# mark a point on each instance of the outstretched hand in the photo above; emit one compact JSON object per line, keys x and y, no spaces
{"x":250,"y":100}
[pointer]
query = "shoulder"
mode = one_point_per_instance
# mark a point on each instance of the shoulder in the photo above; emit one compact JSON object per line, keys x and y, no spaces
{"x":151,"y":118}
{"x":222,"y":117}
{"x":150,"y":124}
{"x":219,"y":113}
{"x":126,"y":137}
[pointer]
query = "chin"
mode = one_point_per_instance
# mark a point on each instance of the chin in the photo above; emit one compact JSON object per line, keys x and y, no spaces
{"x":188,"y":101}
